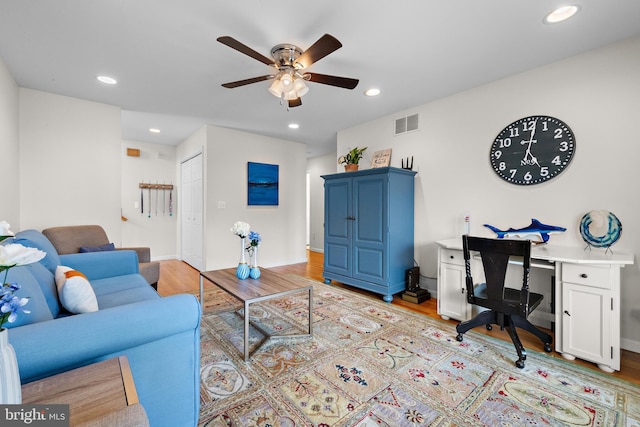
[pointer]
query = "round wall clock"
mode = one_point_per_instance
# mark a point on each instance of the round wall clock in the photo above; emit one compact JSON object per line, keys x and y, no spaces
{"x":532,"y":150}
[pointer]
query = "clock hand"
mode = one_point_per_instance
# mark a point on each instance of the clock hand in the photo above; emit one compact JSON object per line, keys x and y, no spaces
{"x":530,"y":159}
{"x":534,"y":159}
{"x":533,"y":132}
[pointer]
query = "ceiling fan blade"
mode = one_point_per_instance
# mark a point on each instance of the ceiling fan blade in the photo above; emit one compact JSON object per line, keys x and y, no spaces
{"x":295,"y":102}
{"x":321,"y":48}
{"x":235,"y":44}
{"x":238,"y":83}
{"x":343,"y":82}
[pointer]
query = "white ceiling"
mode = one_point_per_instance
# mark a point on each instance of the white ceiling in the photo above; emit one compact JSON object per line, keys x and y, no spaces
{"x":169,"y":65}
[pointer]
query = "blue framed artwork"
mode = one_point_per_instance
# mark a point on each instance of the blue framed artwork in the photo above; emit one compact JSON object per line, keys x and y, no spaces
{"x":262,"y":184}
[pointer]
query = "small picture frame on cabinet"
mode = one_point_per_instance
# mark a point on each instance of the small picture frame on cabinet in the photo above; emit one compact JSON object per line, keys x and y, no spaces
{"x":381,"y":159}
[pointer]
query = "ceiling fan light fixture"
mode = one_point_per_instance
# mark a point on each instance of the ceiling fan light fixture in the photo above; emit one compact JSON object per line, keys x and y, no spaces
{"x":287,"y":81}
{"x":300,"y":88}
{"x":276,"y":88}
{"x":289,"y":95}
{"x":288,"y":87}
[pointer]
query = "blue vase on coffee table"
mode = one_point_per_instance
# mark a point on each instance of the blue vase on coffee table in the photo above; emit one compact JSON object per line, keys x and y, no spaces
{"x":242,"y":272}
{"x":254,"y":271}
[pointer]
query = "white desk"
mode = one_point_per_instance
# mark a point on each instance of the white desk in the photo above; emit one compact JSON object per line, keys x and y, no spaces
{"x":587,"y":297}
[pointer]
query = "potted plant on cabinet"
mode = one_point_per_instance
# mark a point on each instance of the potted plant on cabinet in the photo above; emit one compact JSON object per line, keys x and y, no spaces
{"x":351,"y":159}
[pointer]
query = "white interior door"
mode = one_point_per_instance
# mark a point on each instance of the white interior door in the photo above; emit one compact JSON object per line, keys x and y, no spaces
{"x":191,"y":212}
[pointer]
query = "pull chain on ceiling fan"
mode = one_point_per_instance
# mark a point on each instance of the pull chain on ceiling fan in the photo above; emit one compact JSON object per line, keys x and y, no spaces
{"x":290,"y":61}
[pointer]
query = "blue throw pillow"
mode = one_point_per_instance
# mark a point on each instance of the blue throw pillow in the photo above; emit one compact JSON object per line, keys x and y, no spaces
{"x":101,"y":248}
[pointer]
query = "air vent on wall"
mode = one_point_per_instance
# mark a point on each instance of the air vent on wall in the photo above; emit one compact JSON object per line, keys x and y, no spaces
{"x":406,"y":124}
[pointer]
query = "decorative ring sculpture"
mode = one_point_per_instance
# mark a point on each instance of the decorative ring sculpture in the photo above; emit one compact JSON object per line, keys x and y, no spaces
{"x":600,"y":228}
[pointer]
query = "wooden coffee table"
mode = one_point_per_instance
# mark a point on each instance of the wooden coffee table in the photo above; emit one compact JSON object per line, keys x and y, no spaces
{"x":270,"y":285}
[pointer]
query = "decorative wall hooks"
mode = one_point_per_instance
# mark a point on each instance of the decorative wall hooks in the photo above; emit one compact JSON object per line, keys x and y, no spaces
{"x":157,"y":187}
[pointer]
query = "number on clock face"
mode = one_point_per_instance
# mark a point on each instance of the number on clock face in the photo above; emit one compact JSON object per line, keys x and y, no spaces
{"x":532,"y":150}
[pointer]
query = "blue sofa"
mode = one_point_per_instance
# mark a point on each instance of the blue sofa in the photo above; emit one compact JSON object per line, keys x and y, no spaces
{"x":160,"y":336}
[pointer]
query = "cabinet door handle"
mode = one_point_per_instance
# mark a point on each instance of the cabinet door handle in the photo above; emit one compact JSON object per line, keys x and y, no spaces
{"x":451,"y":256}
{"x":351,"y":218}
{"x":567,"y":313}
{"x":584,"y":275}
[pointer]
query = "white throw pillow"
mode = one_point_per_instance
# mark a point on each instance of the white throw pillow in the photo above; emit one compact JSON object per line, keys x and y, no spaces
{"x":75,"y":291}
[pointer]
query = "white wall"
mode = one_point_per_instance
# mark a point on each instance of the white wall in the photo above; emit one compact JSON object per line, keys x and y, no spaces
{"x":10,"y":149}
{"x":282,"y":227}
{"x":597,"y":94}
{"x":316,"y":168}
{"x":155,"y":229}
{"x":70,"y":163}
{"x":74,"y":169}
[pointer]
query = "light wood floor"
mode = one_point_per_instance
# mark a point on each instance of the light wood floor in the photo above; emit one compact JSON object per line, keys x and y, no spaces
{"x":178,"y":277}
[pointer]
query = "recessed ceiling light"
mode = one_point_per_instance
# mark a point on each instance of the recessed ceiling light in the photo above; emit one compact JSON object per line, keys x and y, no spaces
{"x":107,"y":80}
{"x":293,"y":126}
{"x":154,"y":130}
{"x":374,"y":91}
{"x":561,"y":14}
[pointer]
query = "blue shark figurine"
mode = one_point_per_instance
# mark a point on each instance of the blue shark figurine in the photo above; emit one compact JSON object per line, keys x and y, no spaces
{"x":535,"y":230}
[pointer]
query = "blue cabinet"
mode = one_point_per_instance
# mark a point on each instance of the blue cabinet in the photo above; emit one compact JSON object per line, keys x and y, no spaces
{"x":368,"y":229}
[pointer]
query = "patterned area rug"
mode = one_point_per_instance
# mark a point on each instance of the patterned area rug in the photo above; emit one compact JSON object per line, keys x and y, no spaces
{"x":373,"y":364}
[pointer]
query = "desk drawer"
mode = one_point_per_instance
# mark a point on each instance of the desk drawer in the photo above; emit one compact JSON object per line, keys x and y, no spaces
{"x":589,"y":275}
{"x":452,"y":256}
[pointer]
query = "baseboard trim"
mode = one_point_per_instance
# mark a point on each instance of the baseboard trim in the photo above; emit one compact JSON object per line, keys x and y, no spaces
{"x":290,"y":262}
{"x":165,"y":257}
{"x":630,"y":345}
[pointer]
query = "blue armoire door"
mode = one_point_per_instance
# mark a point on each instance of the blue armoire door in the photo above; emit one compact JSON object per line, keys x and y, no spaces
{"x":338,"y":226}
{"x":369,"y":228}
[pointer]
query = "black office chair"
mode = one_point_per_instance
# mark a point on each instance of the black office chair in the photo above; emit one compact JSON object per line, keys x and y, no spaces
{"x":508,"y":308}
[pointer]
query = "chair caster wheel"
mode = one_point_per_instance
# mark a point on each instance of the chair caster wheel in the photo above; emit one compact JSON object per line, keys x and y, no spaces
{"x":547,"y":348}
{"x":519,"y":364}
{"x":489,"y":327}
{"x":459,"y":338}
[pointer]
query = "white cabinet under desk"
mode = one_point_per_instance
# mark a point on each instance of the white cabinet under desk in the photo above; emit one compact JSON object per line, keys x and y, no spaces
{"x":586,"y":301}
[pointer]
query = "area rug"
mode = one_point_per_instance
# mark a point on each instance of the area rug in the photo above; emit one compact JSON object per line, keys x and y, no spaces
{"x":374,"y":364}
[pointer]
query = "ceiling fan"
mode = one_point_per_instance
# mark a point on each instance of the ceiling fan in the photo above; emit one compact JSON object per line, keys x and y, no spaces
{"x":290,"y":62}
